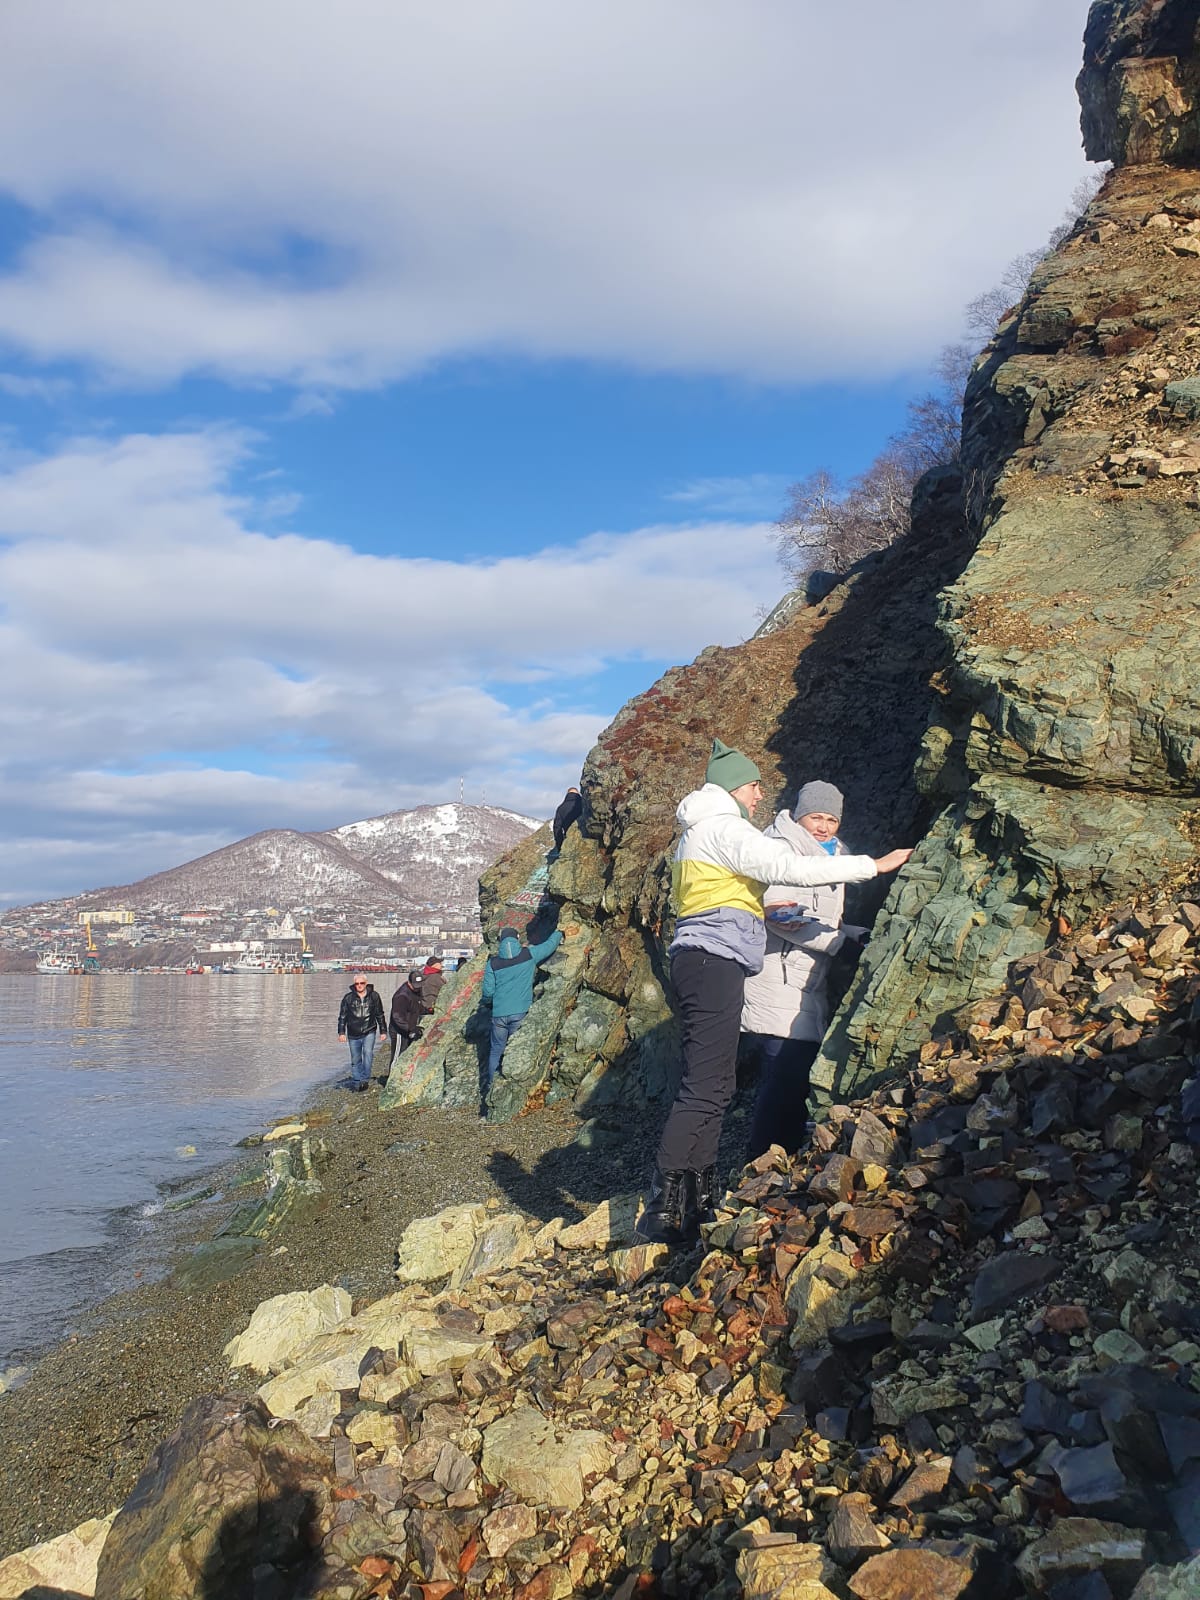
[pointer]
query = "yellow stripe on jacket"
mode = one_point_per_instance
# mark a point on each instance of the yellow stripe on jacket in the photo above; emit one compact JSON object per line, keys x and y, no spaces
{"x":699,"y":886}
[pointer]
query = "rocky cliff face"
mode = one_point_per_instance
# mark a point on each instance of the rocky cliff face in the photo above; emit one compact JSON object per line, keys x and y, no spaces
{"x":1065,"y":748}
{"x":1011,"y":688}
{"x":843,"y":689}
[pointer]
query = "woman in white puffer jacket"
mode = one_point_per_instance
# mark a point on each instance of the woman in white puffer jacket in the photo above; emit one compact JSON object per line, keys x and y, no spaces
{"x":786,"y":1007}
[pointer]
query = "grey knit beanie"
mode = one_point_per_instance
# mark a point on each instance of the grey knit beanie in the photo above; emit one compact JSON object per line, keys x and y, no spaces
{"x":818,"y":796}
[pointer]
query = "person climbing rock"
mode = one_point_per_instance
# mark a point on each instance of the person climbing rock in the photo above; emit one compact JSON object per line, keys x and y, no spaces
{"x":722,"y":865}
{"x":508,"y":988}
{"x":433,"y":980}
{"x":570,"y":808}
{"x":360,"y":1018}
{"x":786,"y":1008}
{"x":407,"y":1009}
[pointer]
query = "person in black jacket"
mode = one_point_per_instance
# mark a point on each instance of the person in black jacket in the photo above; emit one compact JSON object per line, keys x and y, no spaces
{"x":408,"y":1007}
{"x":570,"y":808}
{"x":359,"y":1020}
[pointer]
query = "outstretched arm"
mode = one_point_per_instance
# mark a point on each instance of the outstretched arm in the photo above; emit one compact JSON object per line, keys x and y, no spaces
{"x":744,"y":850}
{"x":539,"y":952}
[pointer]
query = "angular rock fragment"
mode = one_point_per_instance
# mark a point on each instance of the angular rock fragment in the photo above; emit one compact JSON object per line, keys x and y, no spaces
{"x":432,"y":1247}
{"x":852,"y":1533}
{"x":1076,"y":1546}
{"x":1009,"y":1277}
{"x":282,"y":1326}
{"x":913,"y":1573}
{"x":797,"y":1571}
{"x":527,"y":1454}
{"x":67,"y":1563}
{"x":923,"y":1487}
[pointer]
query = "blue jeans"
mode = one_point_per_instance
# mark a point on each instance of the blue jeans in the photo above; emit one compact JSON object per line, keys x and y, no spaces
{"x":362,"y":1053}
{"x":502,"y":1030}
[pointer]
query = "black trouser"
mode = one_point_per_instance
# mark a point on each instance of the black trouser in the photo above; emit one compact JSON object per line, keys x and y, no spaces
{"x":781,"y":1109}
{"x":709,"y":992}
{"x":400,"y":1041}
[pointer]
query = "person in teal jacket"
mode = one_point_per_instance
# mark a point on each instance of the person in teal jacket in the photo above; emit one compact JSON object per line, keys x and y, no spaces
{"x":508,"y":985}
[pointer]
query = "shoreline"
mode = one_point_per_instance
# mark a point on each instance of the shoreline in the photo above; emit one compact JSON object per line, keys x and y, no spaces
{"x":76,"y":1433}
{"x":142,"y":1243}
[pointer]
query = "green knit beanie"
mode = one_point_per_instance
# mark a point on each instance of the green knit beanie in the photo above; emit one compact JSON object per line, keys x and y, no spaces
{"x":730,"y":768}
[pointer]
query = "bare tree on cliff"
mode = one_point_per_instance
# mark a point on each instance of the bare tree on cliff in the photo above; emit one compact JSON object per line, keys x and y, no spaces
{"x":986,"y":312}
{"x":836,"y":524}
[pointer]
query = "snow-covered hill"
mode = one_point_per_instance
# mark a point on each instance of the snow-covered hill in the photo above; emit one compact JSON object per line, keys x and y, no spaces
{"x":431,"y":856}
{"x":278,"y":868}
{"x":435,"y":852}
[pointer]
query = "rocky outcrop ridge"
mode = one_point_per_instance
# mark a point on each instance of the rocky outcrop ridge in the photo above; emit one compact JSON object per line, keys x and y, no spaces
{"x":843,"y":688}
{"x":1010,"y":688}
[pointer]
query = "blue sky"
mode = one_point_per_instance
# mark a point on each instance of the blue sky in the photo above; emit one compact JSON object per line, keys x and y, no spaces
{"x":386,"y":394}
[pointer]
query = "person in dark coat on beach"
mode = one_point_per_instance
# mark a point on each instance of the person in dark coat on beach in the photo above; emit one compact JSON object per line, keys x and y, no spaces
{"x":360,"y":1018}
{"x":569,"y":810}
{"x":407,"y":1010}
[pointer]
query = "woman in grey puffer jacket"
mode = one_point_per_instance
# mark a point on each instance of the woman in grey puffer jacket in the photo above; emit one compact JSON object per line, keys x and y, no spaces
{"x":786,"y":1007}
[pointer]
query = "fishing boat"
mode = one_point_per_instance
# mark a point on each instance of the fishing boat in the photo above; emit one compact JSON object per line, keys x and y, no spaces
{"x":59,"y":961}
{"x":259,"y":957}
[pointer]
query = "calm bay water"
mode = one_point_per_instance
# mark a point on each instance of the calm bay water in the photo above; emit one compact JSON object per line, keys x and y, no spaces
{"x":108,"y":1083}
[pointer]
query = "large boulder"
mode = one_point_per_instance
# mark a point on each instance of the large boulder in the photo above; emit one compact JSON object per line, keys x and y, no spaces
{"x":226,"y":1497}
{"x":432,"y":1247}
{"x":282,"y":1326}
{"x":462,"y":1243}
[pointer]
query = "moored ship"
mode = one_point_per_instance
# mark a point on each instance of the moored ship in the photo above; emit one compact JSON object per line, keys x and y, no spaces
{"x":59,"y":961}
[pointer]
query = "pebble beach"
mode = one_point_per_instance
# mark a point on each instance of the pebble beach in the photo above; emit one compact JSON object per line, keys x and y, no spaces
{"x":75,"y":1435}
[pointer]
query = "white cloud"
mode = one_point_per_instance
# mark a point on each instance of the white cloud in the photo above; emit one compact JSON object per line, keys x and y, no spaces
{"x":151,"y":633}
{"x":755,"y":494}
{"x":335,"y":196}
{"x":23,"y":387}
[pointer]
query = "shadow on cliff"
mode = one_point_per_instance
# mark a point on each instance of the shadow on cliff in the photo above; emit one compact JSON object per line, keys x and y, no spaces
{"x":865,"y":684}
{"x":262,"y":1550}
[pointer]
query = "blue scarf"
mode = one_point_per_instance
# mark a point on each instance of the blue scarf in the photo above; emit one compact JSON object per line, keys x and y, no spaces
{"x":829,"y":846}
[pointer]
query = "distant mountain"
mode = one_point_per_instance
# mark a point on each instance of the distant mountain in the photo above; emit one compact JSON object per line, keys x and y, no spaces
{"x":430,"y":856}
{"x":435,"y":852}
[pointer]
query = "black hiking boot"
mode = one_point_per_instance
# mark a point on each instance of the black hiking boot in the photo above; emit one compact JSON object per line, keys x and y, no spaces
{"x":662,"y":1220}
{"x":700,"y":1200}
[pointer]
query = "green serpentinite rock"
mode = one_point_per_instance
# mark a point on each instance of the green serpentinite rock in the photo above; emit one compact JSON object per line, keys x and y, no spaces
{"x":981,"y":892}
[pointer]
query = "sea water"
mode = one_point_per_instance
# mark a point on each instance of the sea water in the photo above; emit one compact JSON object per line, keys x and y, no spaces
{"x":118,"y":1092}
